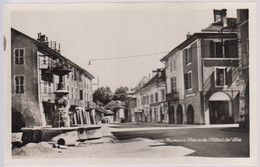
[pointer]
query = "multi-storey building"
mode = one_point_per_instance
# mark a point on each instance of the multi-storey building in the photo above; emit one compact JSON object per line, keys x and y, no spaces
{"x":33,"y":83}
{"x":243,"y":52}
{"x":150,"y":99}
{"x":131,"y":104}
{"x":203,"y":88}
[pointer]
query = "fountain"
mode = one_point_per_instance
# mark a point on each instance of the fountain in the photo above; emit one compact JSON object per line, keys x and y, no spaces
{"x":61,"y":116}
{"x":61,"y":132}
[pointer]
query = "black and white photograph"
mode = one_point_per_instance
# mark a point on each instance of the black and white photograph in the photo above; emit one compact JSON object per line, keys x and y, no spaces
{"x":130,"y":83}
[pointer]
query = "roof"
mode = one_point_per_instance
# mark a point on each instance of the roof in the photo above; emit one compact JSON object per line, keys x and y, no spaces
{"x":114,"y":105}
{"x":54,"y":53}
{"x":217,"y":26}
{"x":212,"y":31}
{"x":199,"y":35}
{"x":156,"y":78}
{"x":108,"y":112}
{"x":100,"y":109}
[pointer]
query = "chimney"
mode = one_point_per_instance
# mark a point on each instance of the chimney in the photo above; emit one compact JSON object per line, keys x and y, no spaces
{"x":220,"y":15}
{"x":58,"y":48}
{"x":39,"y":36}
{"x":188,"y":35}
{"x":46,"y":41}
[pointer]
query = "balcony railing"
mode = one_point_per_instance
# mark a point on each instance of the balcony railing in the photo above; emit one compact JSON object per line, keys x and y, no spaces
{"x":172,"y":96}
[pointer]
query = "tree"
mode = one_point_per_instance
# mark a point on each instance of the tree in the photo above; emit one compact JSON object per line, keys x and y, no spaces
{"x":103,"y":95}
{"x":121,"y":93}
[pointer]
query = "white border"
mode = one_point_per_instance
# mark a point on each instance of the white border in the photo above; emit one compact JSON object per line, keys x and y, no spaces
{"x":192,"y":160}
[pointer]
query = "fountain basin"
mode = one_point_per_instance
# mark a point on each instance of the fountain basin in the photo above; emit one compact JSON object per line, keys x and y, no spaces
{"x":69,"y":134}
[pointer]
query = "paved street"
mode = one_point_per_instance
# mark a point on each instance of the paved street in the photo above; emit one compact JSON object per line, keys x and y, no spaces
{"x":145,"y":141}
{"x":218,"y":142}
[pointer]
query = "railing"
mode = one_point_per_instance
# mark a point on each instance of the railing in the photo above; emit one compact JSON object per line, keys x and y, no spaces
{"x":172,"y":96}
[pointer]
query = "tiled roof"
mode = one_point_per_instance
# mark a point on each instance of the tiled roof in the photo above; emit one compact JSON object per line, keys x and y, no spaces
{"x":114,"y":105}
{"x":108,"y":112}
{"x":212,"y":31}
{"x":156,"y":78}
{"x":54,"y":53}
{"x":217,"y":26}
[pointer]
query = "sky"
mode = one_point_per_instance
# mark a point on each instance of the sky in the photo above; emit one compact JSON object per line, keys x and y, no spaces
{"x":97,"y":31}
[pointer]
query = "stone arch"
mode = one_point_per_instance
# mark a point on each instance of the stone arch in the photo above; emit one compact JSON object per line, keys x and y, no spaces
{"x":179,"y":114}
{"x":220,"y":108}
{"x":171,"y":115}
{"x":18,"y":121}
{"x":190,"y":115}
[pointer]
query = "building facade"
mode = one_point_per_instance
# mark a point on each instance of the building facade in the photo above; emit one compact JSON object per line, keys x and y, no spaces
{"x":150,"y":100}
{"x":33,"y":83}
{"x":204,"y":87}
{"x":243,"y":52}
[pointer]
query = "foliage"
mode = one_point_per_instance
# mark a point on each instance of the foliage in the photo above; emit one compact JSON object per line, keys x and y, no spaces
{"x":103,"y":95}
{"x":121,"y":93}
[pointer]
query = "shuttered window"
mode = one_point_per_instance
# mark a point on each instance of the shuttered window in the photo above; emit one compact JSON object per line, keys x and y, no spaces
{"x":221,"y":76}
{"x":188,"y":80}
{"x":217,"y":50}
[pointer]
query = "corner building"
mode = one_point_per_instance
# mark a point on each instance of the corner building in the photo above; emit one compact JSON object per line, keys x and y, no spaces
{"x":202,"y":75}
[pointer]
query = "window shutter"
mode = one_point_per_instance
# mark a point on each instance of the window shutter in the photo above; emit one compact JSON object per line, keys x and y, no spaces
{"x":184,"y":55}
{"x":16,"y":57}
{"x":219,"y":52}
{"x":212,"y":53}
{"x":190,"y":55}
{"x":226,"y":81}
{"x":186,"y":81}
{"x":21,"y":56}
{"x":226,"y":47}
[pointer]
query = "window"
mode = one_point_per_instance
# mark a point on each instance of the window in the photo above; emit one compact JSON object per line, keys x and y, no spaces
{"x":81,"y":94}
{"x":188,"y":80}
{"x":173,"y":85}
{"x":72,"y":92}
{"x":19,"y":84}
{"x":72,"y":75}
{"x":217,"y":50}
{"x":147,"y":98}
{"x":76,"y":93}
{"x":188,"y":55}
{"x":163,"y":94}
{"x":151,"y":98}
{"x":45,"y":87}
{"x":19,"y":56}
{"x":156,"y":97}
{"x":171,"y":68}
{"x":220,"y":76}
{"x":174,"y":65}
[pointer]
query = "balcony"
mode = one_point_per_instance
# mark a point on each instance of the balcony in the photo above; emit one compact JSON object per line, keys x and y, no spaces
{"x":172,"y":96}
